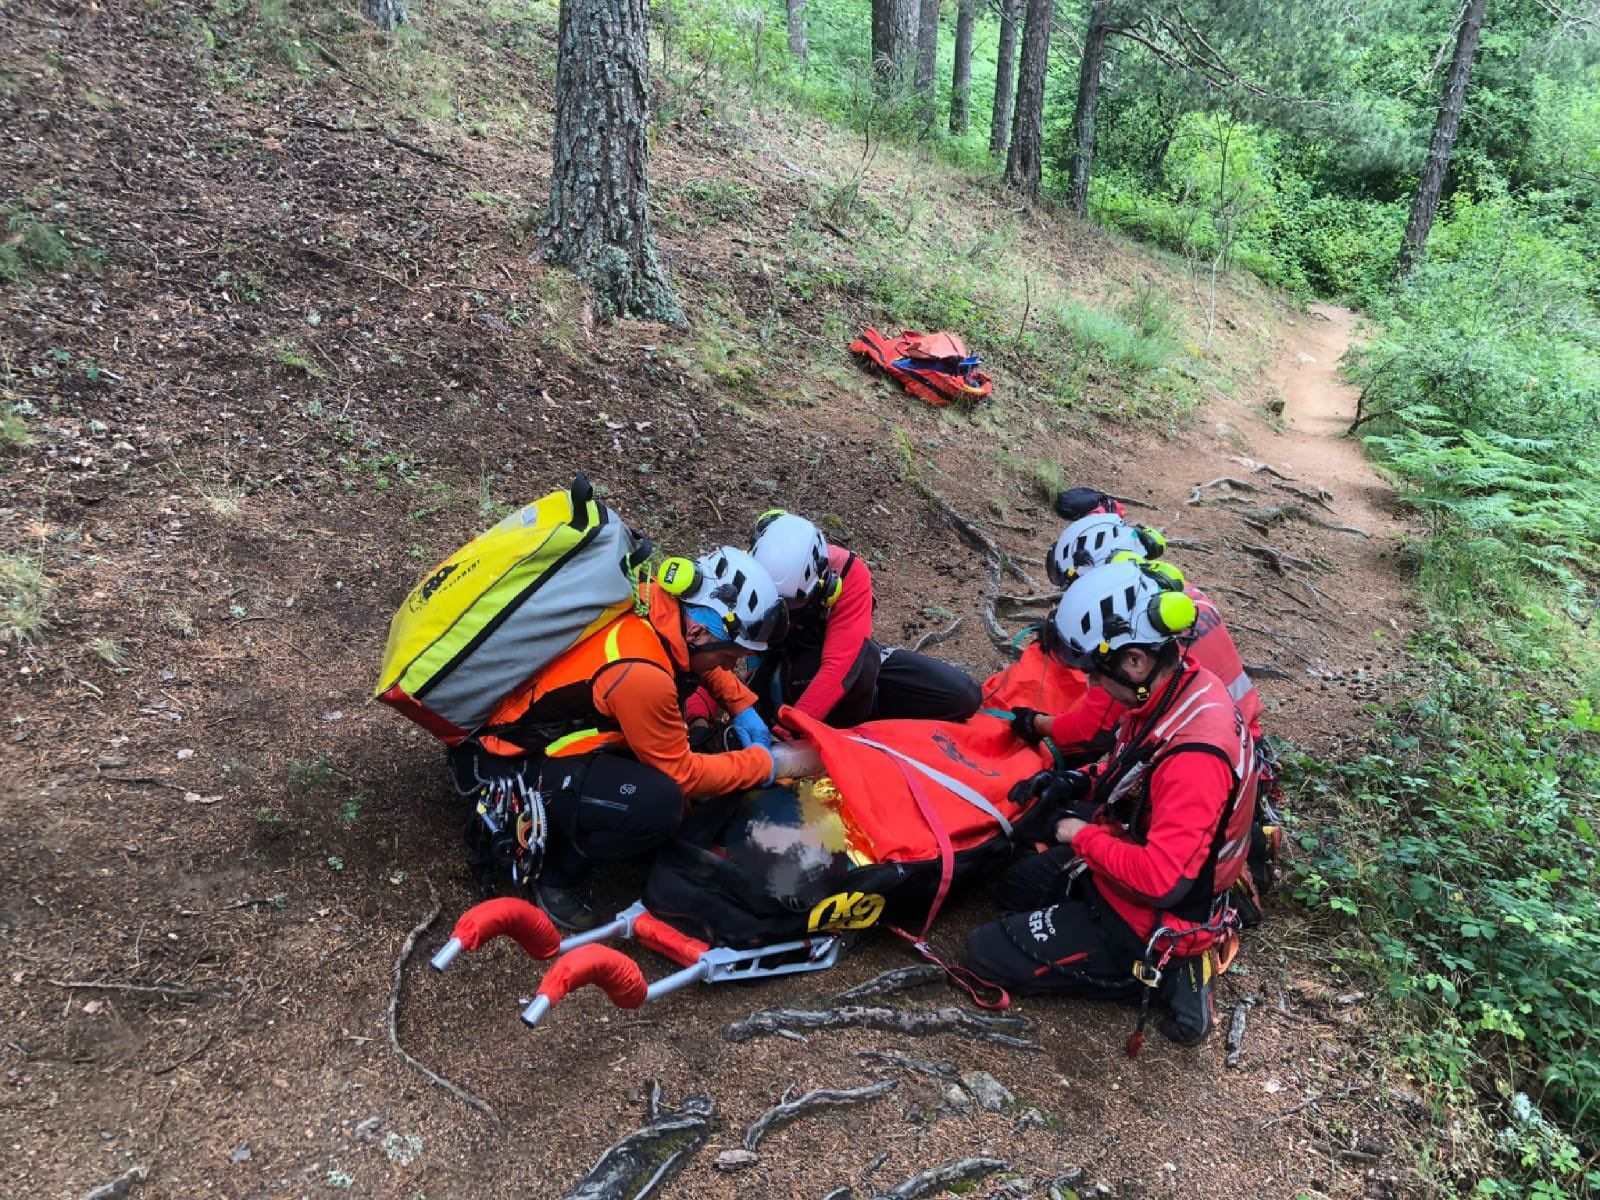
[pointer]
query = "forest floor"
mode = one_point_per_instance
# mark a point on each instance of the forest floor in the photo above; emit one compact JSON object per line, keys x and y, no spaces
{"x":311,"y":361}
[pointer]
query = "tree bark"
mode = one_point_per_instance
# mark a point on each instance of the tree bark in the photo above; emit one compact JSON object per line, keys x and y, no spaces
{"x":1431,"y":183}
{"x":1094,"y":59}
{"x":961,"y":76}
{"x":385,"y":14}
{"x":798,"y":46}
{"x":1027,"y":124}
{"x":1005,"y":77}
{"x":927,"y":59}
{"x":894,"y":39}
{"x":597,"y":222}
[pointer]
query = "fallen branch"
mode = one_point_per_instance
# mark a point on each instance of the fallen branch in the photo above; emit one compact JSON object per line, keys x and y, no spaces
{"x":939,"y":1179}
{"x":900,"y":979}
{"x":156,"y":989}
{"x":920,"y":1066}
{"x":634,"y":1167}
{"x":1236,"y":1029}
{"x":392,"y":139}
{"x":396,"y":985}
{"x":934,"y":636}
{"x":984,"y":1027}
{"x":786,"y":1111}
{"x":118,"y":1187}
{"x":1196,"y":497}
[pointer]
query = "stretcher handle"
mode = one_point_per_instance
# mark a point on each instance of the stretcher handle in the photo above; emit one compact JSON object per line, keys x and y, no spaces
{"x":507,"y":916}
{"x":598,"y":966}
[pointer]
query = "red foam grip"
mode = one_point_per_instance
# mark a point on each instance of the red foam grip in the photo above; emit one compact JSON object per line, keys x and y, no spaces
{"x":613,"y":972}
{"x":512,"y":918}
{"x":682,"y":949}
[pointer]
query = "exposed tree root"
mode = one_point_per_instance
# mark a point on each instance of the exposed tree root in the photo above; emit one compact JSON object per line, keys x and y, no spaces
{"x":998,"y":561}
{"x":1264,"y":469}
{"x":1236,"y":1029}
{"x":633,"y":1168}
{"x":985,"y":1027}
{"x":786,"y":1111}
{"x":1011,"y":600}
{"x":1279,"y":560}
{"x":1267,"y":671}
{"x":395,"y":990}
{"x":901,"y":979}
{"x":1197,"y":496}
{"x":920,"y":1066}
{"x":1262,"y":517}
{"x":940,"y":1178}
{"x":1178,"y":543}
{"x":934,"y":636}
{"x":1321,"y":496}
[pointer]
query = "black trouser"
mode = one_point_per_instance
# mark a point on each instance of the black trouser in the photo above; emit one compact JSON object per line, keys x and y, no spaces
{"x":600,"y":807}
{"x":881,"y":686}
{"x":1059,"y":936}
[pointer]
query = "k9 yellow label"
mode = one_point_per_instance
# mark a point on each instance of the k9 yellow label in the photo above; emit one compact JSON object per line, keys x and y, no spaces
{"x":846,"y":910}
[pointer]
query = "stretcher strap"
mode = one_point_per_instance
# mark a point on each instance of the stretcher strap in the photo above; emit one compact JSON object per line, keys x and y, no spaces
{"x":983,"y":993}
{"x":971,"y":795}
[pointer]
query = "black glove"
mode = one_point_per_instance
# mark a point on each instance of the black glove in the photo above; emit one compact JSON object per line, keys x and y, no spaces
{"x":1022,"y":725}
{"x":1081,"y":501}
{"x":1058,"y":789}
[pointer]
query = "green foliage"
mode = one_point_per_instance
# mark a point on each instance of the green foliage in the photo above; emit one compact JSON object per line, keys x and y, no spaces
{"x":1464,"y":841}
{"x":1482,"y":393}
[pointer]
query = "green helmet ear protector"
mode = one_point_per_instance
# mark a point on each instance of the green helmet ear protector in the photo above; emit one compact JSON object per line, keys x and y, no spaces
{"x":678,"y":576}
{"x":1164,"y":575}
{"x":767,"y":518}
{"x":1155,"y":545}
{"x":1171,"y":612}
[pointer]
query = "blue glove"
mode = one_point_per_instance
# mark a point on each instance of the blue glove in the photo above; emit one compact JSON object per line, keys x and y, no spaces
{"x":751,"y":730}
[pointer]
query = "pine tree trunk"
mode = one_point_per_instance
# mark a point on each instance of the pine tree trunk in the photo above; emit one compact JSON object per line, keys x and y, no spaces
{"x":1005,"y":77}
{"x":798,"y":46}
{"x":1094,"y":59}
{"x":1023,"y":170}
{"x":1431,"y":184}
{"x":927,"y":59}
{"x":894,"y":40}
{"x":385,"y":14}
{"x":961,"y":77}
{"x":597,"y":222}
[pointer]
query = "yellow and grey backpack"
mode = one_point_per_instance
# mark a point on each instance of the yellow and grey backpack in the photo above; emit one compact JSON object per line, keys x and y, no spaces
{"x":504,"y":606}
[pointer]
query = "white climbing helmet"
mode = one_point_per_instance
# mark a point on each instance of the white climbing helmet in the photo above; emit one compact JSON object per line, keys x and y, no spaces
{"x":1095,"y":540}
{"x":795,"y":554}
{"x":732,"y":584}
{"x":1119,"y":605}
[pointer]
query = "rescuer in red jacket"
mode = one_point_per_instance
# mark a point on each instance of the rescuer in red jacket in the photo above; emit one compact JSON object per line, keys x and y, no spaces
{"x":1091,"y":542}
{"x":828,"y":665}
{"x":1150,"y":839}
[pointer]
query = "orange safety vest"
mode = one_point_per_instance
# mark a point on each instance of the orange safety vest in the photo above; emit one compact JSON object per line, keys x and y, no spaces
{"x":559,"y":700}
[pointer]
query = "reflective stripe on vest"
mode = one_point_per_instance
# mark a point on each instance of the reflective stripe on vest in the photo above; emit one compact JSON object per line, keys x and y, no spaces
{"x":1241,"y":687}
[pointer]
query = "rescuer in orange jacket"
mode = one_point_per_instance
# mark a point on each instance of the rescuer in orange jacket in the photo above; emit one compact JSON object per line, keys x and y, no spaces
{"x":1151,"y":839}
{"x":600,"y":731}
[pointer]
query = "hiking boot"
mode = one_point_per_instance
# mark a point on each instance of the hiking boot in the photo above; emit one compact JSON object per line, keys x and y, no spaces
{"x":569,"y":905}
{"x":1187,"y":1000}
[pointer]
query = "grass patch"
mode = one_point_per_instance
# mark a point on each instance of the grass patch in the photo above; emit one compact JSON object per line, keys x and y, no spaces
{"x":111,"y":652}
{"x":31,"y":245}
{"x":24,"y":599}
